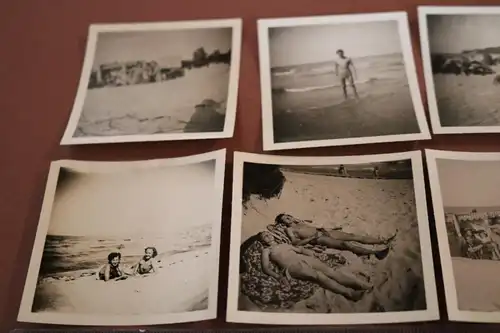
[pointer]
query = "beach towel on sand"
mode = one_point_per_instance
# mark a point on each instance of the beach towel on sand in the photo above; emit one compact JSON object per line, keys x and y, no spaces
{"x":264,"y":290}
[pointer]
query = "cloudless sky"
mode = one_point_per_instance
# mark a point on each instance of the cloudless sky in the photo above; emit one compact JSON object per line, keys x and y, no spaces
{"x":318,"y":43}
{"x":154,"y":201}
{"x":163,"y":46}
{"x":455,"y":33}
{"x":469,"y":183}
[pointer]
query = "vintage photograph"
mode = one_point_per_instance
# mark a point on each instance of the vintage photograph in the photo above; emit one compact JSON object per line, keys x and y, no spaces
{"x":462,"y":68}
{"x":326,"y":82}
{"x":118,"y":243}
{"x":157,"y":82}
{"x":342,"y":240}
{"x":467,"y":216}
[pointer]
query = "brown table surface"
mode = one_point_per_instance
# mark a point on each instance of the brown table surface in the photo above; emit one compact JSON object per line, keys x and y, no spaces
{"x":43,"y":44}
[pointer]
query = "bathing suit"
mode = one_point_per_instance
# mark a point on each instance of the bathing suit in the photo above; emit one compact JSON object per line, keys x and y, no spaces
{"x":145,"y":266}
{"x":114,"y":272}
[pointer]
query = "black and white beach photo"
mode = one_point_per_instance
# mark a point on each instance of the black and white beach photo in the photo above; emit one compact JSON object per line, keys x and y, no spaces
{"x":467,"y":214}
{"x":330,"y":240}
{"x":119,"y":243}
{"x":157,"y":82}
{"x":325,"y":81}
{"x":462,"y":67}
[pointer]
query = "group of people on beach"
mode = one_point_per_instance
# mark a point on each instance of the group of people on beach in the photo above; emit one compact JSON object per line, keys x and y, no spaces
{"x":113,"y":271}
{"x":294,"y":254}
{"x":478,"y":243}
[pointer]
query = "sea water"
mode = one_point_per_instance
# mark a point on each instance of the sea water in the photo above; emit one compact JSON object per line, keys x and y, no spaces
{"x":64,"y":254}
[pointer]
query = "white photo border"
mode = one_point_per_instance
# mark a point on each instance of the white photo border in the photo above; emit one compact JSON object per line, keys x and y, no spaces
{"x":26,"y":315}
{"x":237,"y":316}
{"x":265,"y":79}
{"x":423,"y":11}
{"x":232,"y":98}
{"x":454,"y":313}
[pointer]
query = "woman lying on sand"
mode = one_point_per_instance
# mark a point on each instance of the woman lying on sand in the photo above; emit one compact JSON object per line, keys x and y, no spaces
{"x":301,"y":264}
{"x":147,"y":264}
{"x":111,"y":270}
{"x":301,"y":234}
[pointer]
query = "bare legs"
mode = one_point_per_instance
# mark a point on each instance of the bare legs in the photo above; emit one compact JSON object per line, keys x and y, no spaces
{"x":344,"y":236}
{"x":345,"y":284}
{"x":352,"y":85}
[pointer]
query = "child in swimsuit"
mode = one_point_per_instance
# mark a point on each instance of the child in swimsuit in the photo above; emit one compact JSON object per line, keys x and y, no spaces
{"x":147,"y":264}
{"x":112,"y":270}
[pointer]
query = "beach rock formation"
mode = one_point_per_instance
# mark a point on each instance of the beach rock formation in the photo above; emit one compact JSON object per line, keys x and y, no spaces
{"x":468,"y":63}
{"x":209,"y":116}
{"x":496,"y":80}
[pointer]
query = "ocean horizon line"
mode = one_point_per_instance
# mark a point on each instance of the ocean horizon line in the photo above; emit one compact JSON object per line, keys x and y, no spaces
{"x":333,"y":59}
{"x":131,"y":236}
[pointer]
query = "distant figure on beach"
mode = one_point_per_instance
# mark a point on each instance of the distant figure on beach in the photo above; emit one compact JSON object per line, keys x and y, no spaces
{"x":147,"y":264}
{"x":344,"y":68}
{"x":302,"y":234}
{"x":376,"y":172}
{"x":343,"y":171}
{"x":111,"y":270}
{"x":301,"y":264}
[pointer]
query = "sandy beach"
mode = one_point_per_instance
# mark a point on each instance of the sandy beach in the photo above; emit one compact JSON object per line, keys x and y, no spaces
{"x":180,"y":285}
{"x":477,"y":292}
{"x":166,"y":107}
{"x":361,"y":206}
{"x":468,"y":100}
{"x":381,"y":110}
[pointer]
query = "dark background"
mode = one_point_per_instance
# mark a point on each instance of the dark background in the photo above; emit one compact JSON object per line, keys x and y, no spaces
{"x":41,"y":54}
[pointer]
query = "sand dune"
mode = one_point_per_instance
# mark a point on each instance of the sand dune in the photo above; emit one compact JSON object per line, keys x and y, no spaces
{"x":468,"y":100}
{"x":164,"y":107}
{"x":361,"y":206}
{"x":476,"y":282}
{"x":180,"y":285}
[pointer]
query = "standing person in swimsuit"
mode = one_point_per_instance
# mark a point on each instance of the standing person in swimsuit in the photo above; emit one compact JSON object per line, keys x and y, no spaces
{"x":147,"y":264}
{"x":343,"y":171}
{"x":111,"y":270}
{"x":300,"y":263}
{"x":343,"y":66}
{"x":302,"y":234}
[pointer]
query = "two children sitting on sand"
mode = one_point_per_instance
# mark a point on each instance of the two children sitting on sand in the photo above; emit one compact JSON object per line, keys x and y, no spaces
{"x":113,"y":271}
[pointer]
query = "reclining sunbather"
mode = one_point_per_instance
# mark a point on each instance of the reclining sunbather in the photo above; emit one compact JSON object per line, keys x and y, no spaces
{"x":301,"y":264}
{"x":302,"y":234}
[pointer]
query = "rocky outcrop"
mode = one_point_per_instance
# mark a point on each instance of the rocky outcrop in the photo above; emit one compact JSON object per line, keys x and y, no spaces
{"x":468,"y":63}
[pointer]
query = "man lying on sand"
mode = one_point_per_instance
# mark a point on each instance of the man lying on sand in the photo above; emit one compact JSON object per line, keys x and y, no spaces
{"x":111,"y":270}
{"x":302,"y":234}
{"x":300,"y":263}
{"x":147,"y":264}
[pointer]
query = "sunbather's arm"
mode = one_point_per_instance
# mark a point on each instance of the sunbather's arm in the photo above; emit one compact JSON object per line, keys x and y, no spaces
{"x":154,"y":266}
{"x":98,"y":272}
{"x":266,"y":264}
{"x":304,"y":251}
{"x":296,"y":241}
{"x":106,"y":273}
{"x":291,"y":235}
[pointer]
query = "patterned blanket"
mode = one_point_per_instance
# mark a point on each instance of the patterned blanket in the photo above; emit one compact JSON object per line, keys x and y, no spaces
{"x":264,"y":290}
